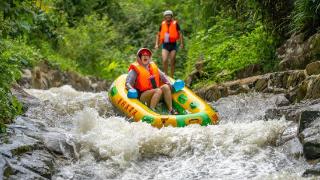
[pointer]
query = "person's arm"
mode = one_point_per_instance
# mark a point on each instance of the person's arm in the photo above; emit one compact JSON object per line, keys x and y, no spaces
{"x":131,"y":79}
{"x":157,"y":39}
{"x":181,"y":36}
{"x":164,"y":78}
{"x":181,"y":40}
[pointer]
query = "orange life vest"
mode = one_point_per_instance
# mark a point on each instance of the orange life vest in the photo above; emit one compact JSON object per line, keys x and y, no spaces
{"x":143,"y":82}
{"x":171,"y":29}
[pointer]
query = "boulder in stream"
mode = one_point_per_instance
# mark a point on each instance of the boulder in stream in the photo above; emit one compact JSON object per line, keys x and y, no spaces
{"x":309,"y":134}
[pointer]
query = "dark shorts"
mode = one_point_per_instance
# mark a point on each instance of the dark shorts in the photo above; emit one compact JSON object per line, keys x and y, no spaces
{"x":170,"y":46}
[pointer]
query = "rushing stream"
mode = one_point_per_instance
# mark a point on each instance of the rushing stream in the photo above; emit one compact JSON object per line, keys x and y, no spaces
{"x":105,"y":146}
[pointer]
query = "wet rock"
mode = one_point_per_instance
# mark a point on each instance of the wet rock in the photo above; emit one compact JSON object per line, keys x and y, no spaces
{"x":291,"y":48}
{"x":313,"y":90}
{"x":292,"y":96}
{"x":261,"y":84}
{"x":302,"y":90}
{"x":17,"y":145}
{"x":279,"y":79}
{"x":235,"y":87}
{"x":251,"y":70}
{"x":296,"y":84}
{"x":56,"y":78}
{"x":293,"y":112}
{"x":307,"y":89}
{"x":201,"y":92}
{"x":309,"y":133}
{"x":313,"y":68}
{"x":25,"y":79}
{"x":294,"y":147}
{"x":314,"y":171}
{"x":2,"y":166}
{"x":272,"y":114}
{"x":45,"y":76}
{"x":196,"y":74}
{"x":78,"y":82}
{"x":286,"y":79}
{"x":215,"y":92}
{"x":99,"y":86}
{"x":14,"y":170}
{"x":296,"y":53}
{"x":26,"y":99}
{"x":282,"y":101}
{"x":23,"y":157}
{"x":61,"y":144}
{"x":40,"y":80}
{"x":22,"y":154}
{"x":40,"y":162}
{"x":45,"y":66}
{"x":290,"y":113}
{"x":294,"y":79}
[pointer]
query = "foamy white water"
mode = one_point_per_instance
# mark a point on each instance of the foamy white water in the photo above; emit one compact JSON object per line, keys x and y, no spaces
{"x":243,"y":146}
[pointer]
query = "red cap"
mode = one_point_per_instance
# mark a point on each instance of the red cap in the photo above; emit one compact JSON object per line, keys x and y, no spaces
{"x":144,"y":52}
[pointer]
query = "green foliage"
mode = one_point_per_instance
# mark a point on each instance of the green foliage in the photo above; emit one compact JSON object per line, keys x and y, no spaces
{"x":275,"y":16}
{"x":24,"y":18}
{"x":13,"y":56}
{"x":16,"y":18}
{"x":76,"y":10}
{"x":96,"y":47}
{"x":48,"y":53}
{"x":305,"y":16}
{"x":229,"y":46}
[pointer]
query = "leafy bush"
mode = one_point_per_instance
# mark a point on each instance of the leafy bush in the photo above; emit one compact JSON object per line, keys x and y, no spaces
{"x":229,"y":46}
{"x":24,"y":19}
{"x":13,"y":56}
{"x":96,"y":47}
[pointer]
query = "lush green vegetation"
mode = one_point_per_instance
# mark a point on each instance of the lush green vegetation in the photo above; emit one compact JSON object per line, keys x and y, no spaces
{"x":12,"y":58}
{"x":305,"y":16}
{"x":228,"y":47}
{"x":100,"y":37}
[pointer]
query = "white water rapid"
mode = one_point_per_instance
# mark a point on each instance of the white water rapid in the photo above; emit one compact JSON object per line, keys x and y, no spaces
{"x":243,"y":146}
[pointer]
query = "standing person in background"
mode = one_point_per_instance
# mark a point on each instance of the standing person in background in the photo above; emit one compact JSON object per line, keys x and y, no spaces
{"x":168,"y":35}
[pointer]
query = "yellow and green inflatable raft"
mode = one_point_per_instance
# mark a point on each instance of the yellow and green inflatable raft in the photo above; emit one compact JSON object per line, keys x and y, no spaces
{"x":191,"y":108}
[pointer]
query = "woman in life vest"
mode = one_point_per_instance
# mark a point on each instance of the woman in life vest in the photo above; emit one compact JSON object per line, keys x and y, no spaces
{"x":151,"y":83}
{"x":168,"y":35}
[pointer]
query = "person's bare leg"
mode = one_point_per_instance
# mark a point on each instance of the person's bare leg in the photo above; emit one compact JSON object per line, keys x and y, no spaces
{"x":165,"y":54}
{"x":172,"y":56}
{"x":155,"y":98}
{"x":146,"y":96}
{"x":167,"y":96}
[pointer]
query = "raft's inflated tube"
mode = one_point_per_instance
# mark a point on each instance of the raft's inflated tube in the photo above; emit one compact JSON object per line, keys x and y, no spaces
{"x":191,"y":108}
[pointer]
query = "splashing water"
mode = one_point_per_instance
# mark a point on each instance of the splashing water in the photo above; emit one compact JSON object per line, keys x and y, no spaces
{"x":242,"y":146}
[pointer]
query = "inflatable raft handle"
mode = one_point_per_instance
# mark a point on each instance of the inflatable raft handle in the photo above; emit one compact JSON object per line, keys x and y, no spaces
{"x":178,"y":85}
{"x":132,"y":93}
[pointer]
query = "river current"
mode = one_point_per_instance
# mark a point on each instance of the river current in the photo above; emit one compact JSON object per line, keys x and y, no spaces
{"x":244,"y":145}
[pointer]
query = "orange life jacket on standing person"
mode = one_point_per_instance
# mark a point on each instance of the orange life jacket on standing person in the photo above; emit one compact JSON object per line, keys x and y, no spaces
{"x":143,"y":82}
{"x":171,"y":29}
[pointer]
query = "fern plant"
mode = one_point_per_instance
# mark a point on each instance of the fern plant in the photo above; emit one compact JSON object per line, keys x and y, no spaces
{"x":305,"y":16}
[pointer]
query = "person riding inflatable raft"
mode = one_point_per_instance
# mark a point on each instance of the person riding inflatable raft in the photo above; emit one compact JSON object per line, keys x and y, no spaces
{"x":183,"y":105}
